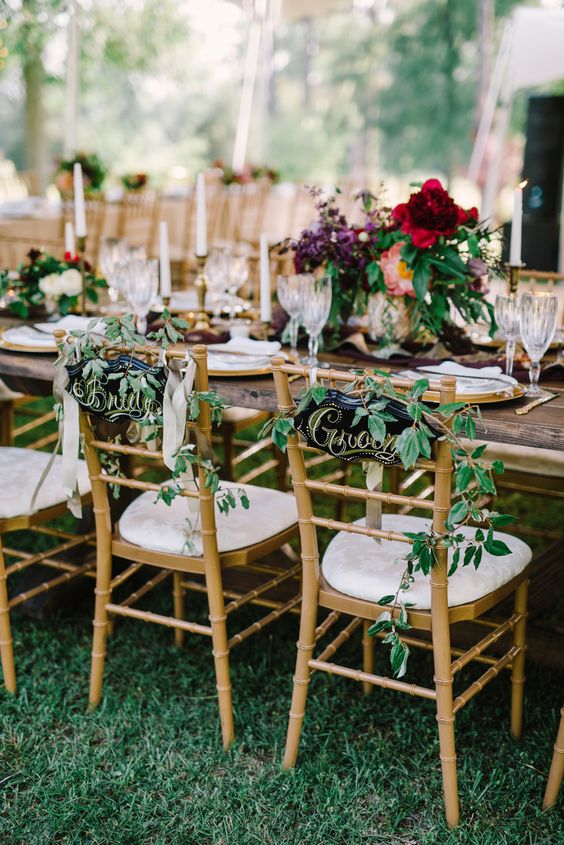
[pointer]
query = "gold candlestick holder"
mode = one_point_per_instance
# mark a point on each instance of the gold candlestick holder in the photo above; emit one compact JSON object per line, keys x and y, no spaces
{"x":202,"y":319}
{"x":81,"y":250}
{"x":513,"y":276}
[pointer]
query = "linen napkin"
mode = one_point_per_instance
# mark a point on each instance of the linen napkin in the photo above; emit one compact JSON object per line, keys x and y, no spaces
{"x":72,"y":322}
{"x":28,"y":336}
{"x":247,"y":346}
{"x":470,"y":380}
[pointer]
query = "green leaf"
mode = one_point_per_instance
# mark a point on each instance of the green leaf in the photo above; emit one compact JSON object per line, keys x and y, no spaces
{"x":500,"y":519}
{"x":498,"y":467}
{"x":421,"y":277}
{"x":463,"y":476}
{"x":385,"y":600}
{"x":458,"y":513}
{"x":407,"y":446}
{"x":479,"y":451}
{"x":377,"y":428}
{"x":496,"y":547}
{"x":484,"y":479}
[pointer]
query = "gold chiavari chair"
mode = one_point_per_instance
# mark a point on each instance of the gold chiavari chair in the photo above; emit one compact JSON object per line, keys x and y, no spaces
{"x":355,"y":573}
{"x":245,"y":207}
{"x":20,"y":472}
{"x":139,"y":217}
{"x":556,"y":768}
{"x":226,"y":565}
{"x":95,"y":220}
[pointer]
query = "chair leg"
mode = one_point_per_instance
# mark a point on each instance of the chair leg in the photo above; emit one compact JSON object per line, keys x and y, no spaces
{"x":223,"y":679}
{"x":445,"y":711}
{"x":367,"y":656}
{"x":556,"y":768}
{"x":518,"y":667}
{"x":178,"y":599}
{"x":6,"y":423}
{"x":281,"y":467}
{"x":100,"y":624}
{"x":6,"y":643}
{"x":302,"y":677}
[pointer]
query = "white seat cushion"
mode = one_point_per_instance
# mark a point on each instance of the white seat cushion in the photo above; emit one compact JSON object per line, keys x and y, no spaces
{"x":357,"y":566}
{"x":163,"y":527}
{"x":20,"y":470}
{"x":237,"y":415}
{"x":548,"y":462}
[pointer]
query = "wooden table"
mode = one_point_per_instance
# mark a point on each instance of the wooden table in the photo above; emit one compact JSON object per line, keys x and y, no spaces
{"x":543,"y":427}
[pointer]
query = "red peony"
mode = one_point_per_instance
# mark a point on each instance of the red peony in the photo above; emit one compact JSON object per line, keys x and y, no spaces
{"x":429,"y":213}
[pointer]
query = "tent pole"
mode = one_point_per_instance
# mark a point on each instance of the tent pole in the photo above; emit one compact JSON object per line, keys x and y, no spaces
{"x":488,"y":112}
{"x":247,"y":94}
{"x":73,"y":82}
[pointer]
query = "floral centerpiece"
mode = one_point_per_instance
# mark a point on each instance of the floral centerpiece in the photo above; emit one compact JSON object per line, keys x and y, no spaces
{"x":428,"y":257}
{"x":249,"y":173}
{"x":94,"y":172}
{"x":134,"y":181}
{"x":44,"y":280}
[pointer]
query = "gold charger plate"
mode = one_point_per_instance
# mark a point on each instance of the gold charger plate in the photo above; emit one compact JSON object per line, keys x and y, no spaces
{"x":16,"y":347}
{"x":513,"y":392}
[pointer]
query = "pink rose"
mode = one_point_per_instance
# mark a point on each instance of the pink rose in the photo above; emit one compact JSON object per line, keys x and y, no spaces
{"x":397,"y":275}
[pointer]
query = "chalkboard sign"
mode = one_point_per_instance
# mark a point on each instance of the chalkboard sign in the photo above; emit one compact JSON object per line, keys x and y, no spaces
{"x":328,"y":426}
{"x":100,"y":395}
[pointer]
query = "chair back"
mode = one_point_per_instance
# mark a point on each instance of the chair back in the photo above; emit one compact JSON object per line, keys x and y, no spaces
{"x":105,"y":413}
{"x":245,"y":211}
{"x":138,"y":218}
{"x":329,"y":430}
{"x":95,"y":220}
{"x":14,"y":250}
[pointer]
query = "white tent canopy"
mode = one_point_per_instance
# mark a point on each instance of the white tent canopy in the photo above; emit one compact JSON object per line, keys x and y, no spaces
{"x":531,"y":54}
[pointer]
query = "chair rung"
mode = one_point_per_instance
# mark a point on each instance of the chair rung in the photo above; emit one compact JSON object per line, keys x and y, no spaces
{"x":347,"y":492}
{"x":50,"y":585}
{"x":352,"y":528}
{"x":146,"y":588}
{"x":485,"y":643}
{"x":258,"y":471}
{"x":376,"y":680}
{"x":262,"y":588}
{"x":484,"y":679}
{"x":341,"y":638}
{"x":262,"y":623}
{"x":157,"y":619}
{"x":40,"y":556}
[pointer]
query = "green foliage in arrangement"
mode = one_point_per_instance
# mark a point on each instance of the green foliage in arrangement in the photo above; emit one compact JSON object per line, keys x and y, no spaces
{"x":473,"y":476}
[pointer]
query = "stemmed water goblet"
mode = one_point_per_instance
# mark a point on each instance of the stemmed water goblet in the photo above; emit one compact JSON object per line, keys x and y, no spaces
{"x":507,"y":310}
{"x":316,"y":305}
{"x":538,"y":322}
{"x":141,"y":279}
{"x":237,"y":276}
{"x":217,"y":272}
{"x":113,"y":253}
{"x":289,"y":290}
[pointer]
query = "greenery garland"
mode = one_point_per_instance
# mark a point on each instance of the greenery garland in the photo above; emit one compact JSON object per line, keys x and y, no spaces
{"x":93,"y":347}
{"x":474,"y":478}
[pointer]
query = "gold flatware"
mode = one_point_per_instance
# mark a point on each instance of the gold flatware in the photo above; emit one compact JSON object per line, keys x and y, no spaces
{"x":540,"y":401}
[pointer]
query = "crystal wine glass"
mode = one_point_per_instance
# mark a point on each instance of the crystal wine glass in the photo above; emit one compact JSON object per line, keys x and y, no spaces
{"x":238,"y":275}
{"x":316,"y":305}
{"x":289,"y":290}
{"x":507,"y":310}
{"x":538,"y":323}
{"x":217,"y":272}
{"x":141,"y":281}
{"x":113,"y":252}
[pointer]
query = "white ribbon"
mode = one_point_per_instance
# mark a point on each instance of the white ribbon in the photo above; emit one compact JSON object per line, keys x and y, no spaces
{"x":178,"y":388}
{"x":374,"y":478}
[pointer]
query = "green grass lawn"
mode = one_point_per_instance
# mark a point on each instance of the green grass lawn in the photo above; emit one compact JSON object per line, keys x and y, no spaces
{"x":148,"y":766}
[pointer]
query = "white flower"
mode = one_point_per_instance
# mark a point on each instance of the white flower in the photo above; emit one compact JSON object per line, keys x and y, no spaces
{"x":71,"y":282}
{"x":50,"y":285}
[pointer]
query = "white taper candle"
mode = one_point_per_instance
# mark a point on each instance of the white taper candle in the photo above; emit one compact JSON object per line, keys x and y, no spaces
{"x":201,"y":221}
{"x":516,"y":227}
{"x":164,"y":259}
{"x":79,"y":208}
{"x":69,"y":238}
{"x":265,"y":301}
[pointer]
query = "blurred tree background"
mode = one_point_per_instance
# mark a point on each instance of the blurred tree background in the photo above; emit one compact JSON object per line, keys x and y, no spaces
{"x":370,"y":87}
